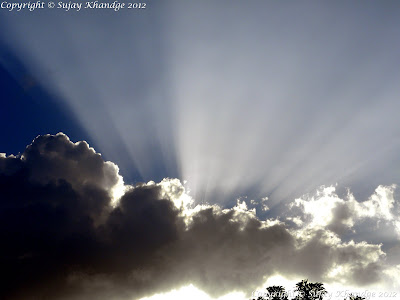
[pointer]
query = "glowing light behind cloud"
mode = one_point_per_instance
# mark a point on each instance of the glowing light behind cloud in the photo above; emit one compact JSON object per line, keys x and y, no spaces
{"x":191,"y":292}
{"x":334,"y":292}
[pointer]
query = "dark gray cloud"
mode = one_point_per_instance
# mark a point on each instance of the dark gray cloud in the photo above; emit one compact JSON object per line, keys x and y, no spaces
{"x":63,"y":237}
{"x":341,"y":215}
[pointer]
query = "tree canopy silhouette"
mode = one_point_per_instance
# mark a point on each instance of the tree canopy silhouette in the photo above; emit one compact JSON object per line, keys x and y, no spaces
{"x":310,"y":291}
{"x":354,"y":297}
{"x":305,"y":291}
{"x":275,"y":292}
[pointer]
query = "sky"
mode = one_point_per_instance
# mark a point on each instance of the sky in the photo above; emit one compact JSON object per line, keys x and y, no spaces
{"x":202,"y":148}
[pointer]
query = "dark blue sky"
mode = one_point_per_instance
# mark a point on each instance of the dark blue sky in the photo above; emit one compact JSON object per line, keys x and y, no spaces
{"x":27,"y":109}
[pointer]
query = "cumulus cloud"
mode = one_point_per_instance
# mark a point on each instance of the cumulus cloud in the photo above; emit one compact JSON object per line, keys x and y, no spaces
{"x":372,"y":222}
{"x":347,"y":216}
{"x":66,"y":235}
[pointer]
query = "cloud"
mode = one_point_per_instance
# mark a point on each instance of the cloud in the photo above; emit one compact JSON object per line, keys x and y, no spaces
{"x":66,"y":236}
{"x":347,"y":216}
{"x":373,"y":223}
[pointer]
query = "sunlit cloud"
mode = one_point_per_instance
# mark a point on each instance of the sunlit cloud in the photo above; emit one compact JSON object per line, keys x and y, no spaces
{"x":70,"y":235}
{"x":190,"y":292}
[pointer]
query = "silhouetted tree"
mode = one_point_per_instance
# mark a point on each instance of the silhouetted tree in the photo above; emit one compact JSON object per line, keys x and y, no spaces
{"x":277,"y":292}
{"x":305,"y":291}
{"x":354,"y":297}
{"x":310,"y":291}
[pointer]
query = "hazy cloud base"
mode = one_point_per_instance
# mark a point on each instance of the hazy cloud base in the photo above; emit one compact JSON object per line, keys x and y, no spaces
{"x":66,"y":236}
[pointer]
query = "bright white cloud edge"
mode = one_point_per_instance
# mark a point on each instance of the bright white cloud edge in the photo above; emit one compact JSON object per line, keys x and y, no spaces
{"x":320,"y":210}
